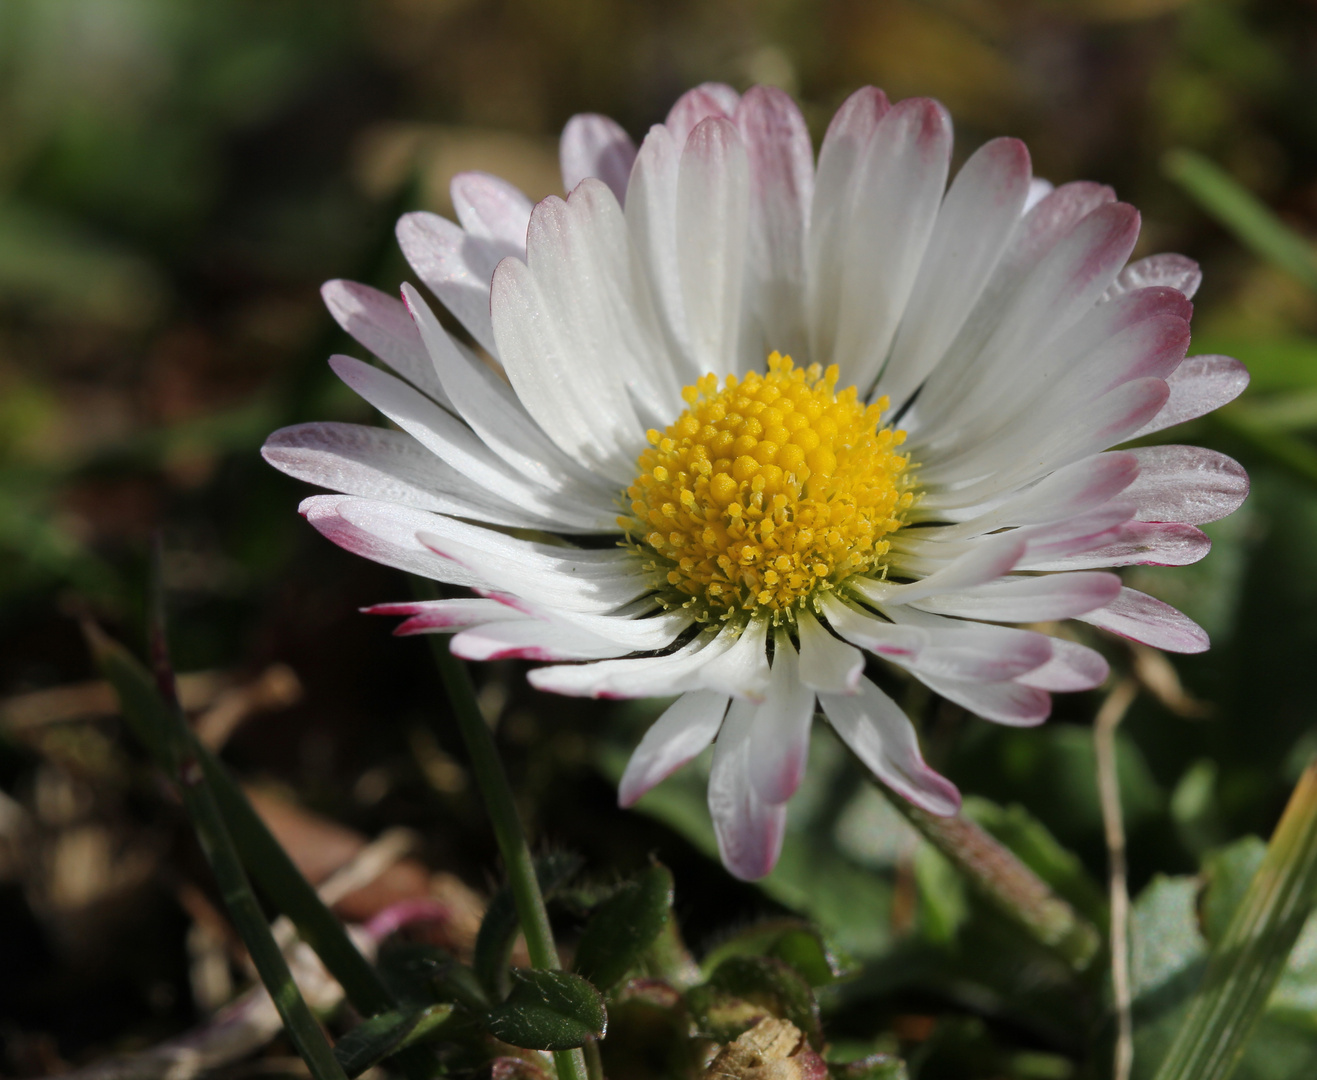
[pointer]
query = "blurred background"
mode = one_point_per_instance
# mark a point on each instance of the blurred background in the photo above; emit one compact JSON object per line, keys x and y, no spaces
{"x":176,"y":181}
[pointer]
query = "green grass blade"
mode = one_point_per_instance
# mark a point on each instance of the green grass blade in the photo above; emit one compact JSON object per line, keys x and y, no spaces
{"x":169,"y":738}
{"x":1243,"y":214}
{"x":285,"y":887}
{"x":1244,"y":967}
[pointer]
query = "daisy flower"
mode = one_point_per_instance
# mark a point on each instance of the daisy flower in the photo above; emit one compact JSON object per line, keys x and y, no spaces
{"x":739,"y":421}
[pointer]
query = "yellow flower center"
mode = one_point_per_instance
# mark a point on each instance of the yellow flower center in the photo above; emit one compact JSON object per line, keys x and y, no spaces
{"x":768,"y":490}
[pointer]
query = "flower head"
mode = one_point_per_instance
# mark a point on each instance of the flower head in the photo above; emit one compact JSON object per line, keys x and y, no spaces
{"x":755,"y":418}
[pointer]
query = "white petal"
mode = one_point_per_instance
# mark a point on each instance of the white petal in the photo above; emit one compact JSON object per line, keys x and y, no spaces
{"x":879,"y":734}
{"x":384,"y":533}
{"x":1063,"y":285}
{"x":491,"y":209}
{"x":494,"y":412}
{"x":781,"y":169}
{"x":1199,"y":385}
{"x":530,"y":639}
{"x":749,"y":830}
{"x":1028,"y":599}
{"x":896,"y":201}
{"x":651,"y":216}
{"x":681,"y":733}
{"x":827,"y":663}
{"x":390,"y":466}
{"x":594,"y":145}
{"x":1142,"y":618}
{"x":1038,"y":445}
{"x":742,"y":670}
{"x":840,"y":157}
{"x":973,"y":226}
{"x":645,"y":676}
{"x":1039,"y":189}
{"x":558,"y":340}
{"x":712,"y":212}
{"x":1175,"y":271}
{"x":943,"y":647}
{"x":1037,"y":236}
{"x":1072,"y":667}
{"x":779,"y":737}
{"x":382,"y":324}
{"x":1186,"y":483}
{"x":883,"y":638}
{"x":987,"y":560}
{"x":573,"y":579}
{"x":456,"y":267}
{"x":452,"y":441}
{"x":1008,"y":703}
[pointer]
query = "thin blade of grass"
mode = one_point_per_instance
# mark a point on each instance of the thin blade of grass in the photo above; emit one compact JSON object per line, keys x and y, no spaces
{"x":1244,"y":967}
{"x":168,"y":737}
{"x":1240,"y":211}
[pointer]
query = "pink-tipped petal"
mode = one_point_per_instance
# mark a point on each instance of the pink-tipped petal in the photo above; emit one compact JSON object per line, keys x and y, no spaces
{"x":1199,"y":385}
{"x":881,"y":736}
{"x":1138,"y":543}
{"x":1186,"y":483}
{"x":594,"y":145}
{"x":1142,"y":618}
{"x":491,"y":209}
{"x":694,"y":106}
{"x":1175,"y":271}
{"x":713,"y":184}
{"x":384,"y":533}
{"x":781,"y":170}
{"x":1072,"y":667}
{"x":382,"y":324}
{"x":1010,"y":703}
{"x":456,"y":267}
{"x":897,"y":196}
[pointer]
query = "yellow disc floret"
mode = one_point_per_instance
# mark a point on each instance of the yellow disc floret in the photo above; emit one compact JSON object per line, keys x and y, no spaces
{"x":767,"y":490}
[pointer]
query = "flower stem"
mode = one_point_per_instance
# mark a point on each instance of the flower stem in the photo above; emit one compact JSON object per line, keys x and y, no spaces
{"x":1010,"y":886}
{"x":496,"y":792}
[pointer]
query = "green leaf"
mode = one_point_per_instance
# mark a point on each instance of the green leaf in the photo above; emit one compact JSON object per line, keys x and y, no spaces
{"x":375,"y":1039}
{"x":745,"y":989}
{"x":1247,"y":962}
{"x":943,"y":903}
{"x":419,"y":975}
{"x":548,"y":1010}
{"x":1240,"y":211}
{"x":623,"y":927}
{"x":794,"y":942}
{"x":1229,"y":871}
{"x":500,"y":926}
